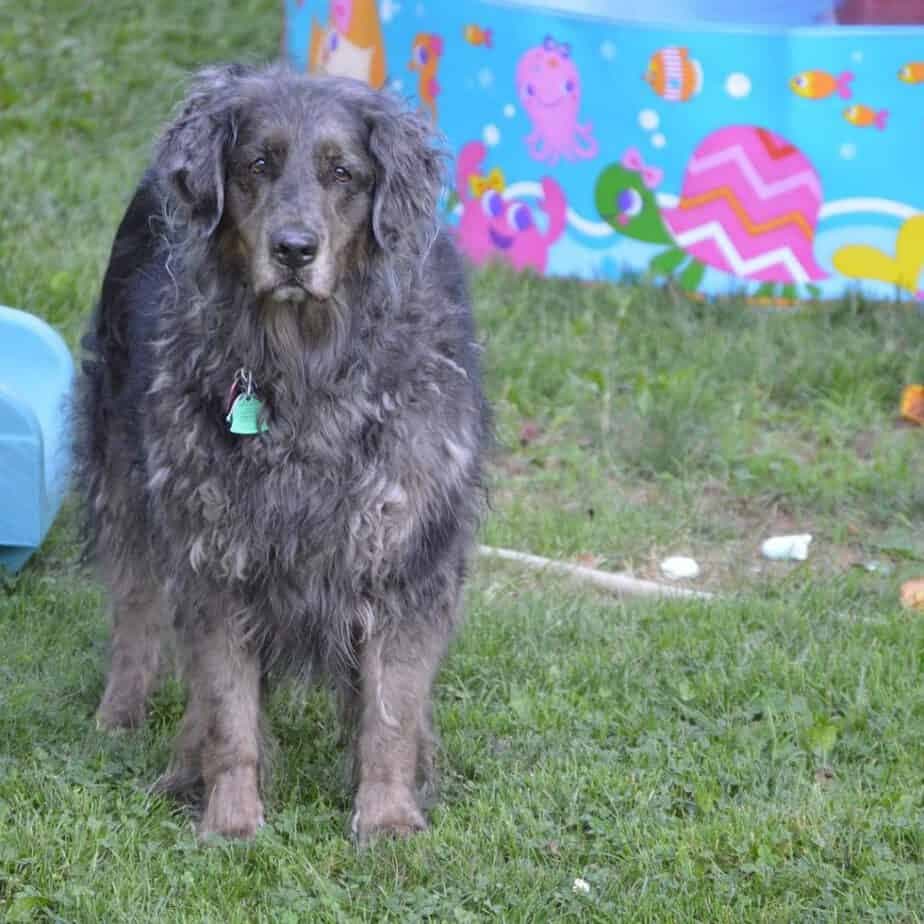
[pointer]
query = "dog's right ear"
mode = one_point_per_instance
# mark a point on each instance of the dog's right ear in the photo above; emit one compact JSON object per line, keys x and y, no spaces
{"x":192,"y":153}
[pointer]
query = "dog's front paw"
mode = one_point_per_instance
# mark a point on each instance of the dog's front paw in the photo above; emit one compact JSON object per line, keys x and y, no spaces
{"x":234,"y":809}
{"x":116,"y":712}
{"x":385,"y":809}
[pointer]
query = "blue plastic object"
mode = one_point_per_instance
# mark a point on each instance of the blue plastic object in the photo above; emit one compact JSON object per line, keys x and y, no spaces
{"x":36,"y":378}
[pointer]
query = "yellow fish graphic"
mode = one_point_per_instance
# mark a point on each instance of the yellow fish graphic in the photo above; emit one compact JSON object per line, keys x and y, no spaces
{"x":821,"y":84}
{"x":864,"y":116}
{"x":912,"y":73}
{"x":861,"y":261}
{"x":475,"y":35}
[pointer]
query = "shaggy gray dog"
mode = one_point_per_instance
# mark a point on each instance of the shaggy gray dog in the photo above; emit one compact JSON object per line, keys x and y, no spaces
{"x":281,"y":269}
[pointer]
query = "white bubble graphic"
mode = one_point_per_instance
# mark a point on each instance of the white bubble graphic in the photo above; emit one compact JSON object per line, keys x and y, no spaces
{"x":510,"y":110}
{"x":608,"y":50}
{"x":491,"y":135}
{"x":389,"y":10}
{"x":485,"y":78}
{"x":848,"y":151}
{"x":649,"y":120}
{"x":738,"y":86}
{"x":658,"y":140}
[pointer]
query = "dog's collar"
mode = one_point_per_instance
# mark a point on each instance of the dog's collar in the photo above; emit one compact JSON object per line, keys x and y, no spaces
{"x":244,"y":414}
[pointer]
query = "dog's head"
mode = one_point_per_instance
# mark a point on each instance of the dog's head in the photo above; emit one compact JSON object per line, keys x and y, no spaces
{"x":297,"y":178}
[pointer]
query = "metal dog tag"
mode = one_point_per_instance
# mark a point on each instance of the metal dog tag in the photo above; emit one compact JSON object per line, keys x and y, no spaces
{"x":244,"y":416}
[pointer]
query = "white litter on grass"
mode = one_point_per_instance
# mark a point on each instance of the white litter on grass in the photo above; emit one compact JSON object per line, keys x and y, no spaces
{"x":787,"y":548}
{"x":581,"y":887}
{"x":679,"y":567}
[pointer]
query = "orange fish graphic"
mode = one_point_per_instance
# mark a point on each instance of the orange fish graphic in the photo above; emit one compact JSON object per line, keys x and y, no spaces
{"x":821,"y":84}
{"x":425,"y":61}
{"x":674,"y":75}
{"x":912,"y":73}
{"x":475,"y":35}
{"x":864,"y":116}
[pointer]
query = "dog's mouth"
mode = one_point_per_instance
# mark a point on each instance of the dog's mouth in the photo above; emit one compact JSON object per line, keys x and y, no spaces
{"x":278,"y":285}
{"x":290,"y":290}
{"x":293,"y":290}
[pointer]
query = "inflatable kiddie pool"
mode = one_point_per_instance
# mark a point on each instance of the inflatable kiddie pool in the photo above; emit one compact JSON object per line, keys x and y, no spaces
{"x":772,"y":148}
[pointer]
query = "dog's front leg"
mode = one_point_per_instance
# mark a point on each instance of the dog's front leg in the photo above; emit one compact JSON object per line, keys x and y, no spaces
{"x":137,"y":621}
{"x":221,"y":731}
{"x":394,"y":742}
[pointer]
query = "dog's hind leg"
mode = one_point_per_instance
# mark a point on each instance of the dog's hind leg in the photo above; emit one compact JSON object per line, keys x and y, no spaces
{"x":394,"y":747}
{"x":220,"y":741}
{"x":138,"y":615}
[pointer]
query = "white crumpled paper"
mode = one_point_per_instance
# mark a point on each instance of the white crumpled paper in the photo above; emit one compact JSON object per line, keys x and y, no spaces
{"x":679,"y":567}
{"x":787,"y":548}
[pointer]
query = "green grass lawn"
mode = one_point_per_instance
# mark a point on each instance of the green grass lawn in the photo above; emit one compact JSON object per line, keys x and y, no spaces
{"x":756,"y":758}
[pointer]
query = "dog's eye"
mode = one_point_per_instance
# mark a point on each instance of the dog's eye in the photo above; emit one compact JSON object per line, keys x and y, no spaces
{"x":342,"y":175}
{"x":258,"y":166}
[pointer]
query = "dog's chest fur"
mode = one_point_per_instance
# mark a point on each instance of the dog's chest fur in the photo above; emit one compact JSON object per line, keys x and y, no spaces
{"x":337,"y":491}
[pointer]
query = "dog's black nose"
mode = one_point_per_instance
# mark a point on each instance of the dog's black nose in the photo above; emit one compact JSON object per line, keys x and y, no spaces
{"x":294,"y":247}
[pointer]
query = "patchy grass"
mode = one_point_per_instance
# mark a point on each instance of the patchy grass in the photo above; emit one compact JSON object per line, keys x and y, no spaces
{"x":701,"y":428}
{"x":755,"y":759}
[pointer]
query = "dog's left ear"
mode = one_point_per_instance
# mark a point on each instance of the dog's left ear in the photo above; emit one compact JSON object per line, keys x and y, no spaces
{"x":192,"y":152}
{"x":410,"y":167}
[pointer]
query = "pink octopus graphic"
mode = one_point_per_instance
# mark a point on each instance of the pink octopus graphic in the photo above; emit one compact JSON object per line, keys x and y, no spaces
{"x":495,"y":228}
{"x":549,"y":88}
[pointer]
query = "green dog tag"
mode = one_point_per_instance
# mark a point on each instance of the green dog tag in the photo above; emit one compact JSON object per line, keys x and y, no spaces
{"x":244,"y":416}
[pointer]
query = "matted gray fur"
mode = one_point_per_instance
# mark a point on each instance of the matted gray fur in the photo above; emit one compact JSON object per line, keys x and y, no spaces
{"x":286,"y":233}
